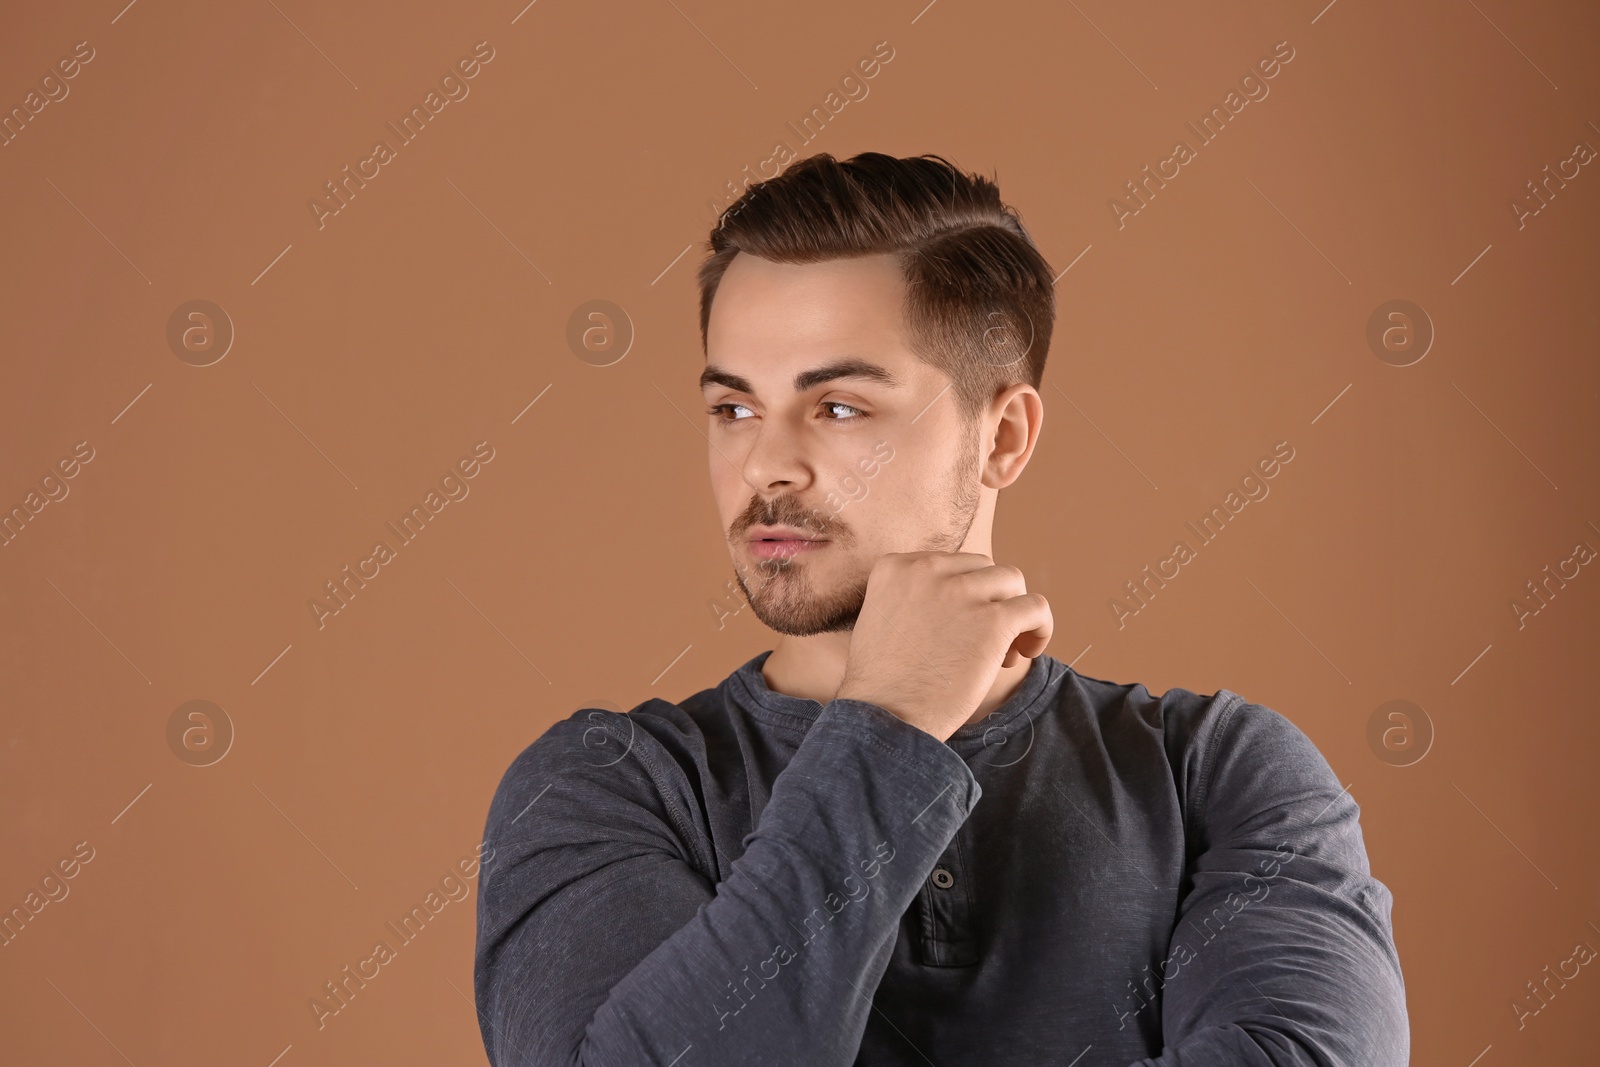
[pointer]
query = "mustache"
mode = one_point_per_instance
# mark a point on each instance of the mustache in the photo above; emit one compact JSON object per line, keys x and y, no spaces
{"x":813,"y":522}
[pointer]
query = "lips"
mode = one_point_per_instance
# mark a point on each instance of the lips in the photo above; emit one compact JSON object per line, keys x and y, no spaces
{"x":783,"y":548}
{"x":779,"y":533}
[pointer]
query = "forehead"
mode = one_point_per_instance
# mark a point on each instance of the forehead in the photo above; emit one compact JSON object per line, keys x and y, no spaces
{"x":766,"y":312}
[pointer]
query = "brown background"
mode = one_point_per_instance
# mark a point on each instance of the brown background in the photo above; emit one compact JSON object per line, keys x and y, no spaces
{"x":586,"y":565}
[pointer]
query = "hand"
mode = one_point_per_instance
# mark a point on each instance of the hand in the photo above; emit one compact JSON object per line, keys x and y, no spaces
{"x":934,"y":631}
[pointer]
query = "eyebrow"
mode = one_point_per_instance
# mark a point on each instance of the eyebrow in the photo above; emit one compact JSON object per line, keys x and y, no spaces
{"x":848,"y":367}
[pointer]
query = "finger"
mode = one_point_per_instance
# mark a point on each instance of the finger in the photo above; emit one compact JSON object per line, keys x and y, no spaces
{"x":995,"y":582}
{"x":1030,"y":645}
{"x":1027,"y":620}
{"x":955,"y":562}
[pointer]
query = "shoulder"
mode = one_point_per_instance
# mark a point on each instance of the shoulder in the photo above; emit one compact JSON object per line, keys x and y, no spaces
{"x":1185,"y":721}
{"x":1231,"y":759}
{"x":1199,"y":729}
{"x":601,"y":767}
{"x":1249,"y":753}
{"x":607,"y":748}
{"x":1262,"y":780}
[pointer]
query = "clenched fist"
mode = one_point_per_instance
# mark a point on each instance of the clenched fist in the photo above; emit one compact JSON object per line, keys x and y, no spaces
{"x":934,"y":631}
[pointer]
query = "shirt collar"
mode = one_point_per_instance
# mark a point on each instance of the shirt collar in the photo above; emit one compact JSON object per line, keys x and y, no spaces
{"x":989,"y":736}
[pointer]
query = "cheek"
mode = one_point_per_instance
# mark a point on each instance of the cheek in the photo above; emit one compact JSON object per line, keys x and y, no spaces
{"x":728,"y":490}
{"x":722,"y":475}
{"x":889,"y":494}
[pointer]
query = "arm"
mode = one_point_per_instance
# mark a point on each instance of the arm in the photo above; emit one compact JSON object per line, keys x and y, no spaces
{"x":1283,"y":951}
{"x":600,"y":944}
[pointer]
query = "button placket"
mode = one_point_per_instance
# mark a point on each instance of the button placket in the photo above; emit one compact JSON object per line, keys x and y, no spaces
{"x":947,"y":921}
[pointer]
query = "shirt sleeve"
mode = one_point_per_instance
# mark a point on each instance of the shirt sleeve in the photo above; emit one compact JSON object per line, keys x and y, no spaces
{"x":1283,"y":952}
{"x":600,"y":943}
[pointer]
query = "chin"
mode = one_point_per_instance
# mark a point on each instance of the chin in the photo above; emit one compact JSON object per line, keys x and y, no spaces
{"x":797,"y":609}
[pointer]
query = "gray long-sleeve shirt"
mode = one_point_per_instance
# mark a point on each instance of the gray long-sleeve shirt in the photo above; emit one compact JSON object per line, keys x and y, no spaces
{"x":750,"y":878}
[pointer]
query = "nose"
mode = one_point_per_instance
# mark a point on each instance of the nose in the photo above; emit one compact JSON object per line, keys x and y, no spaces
{"x":776,"y":461}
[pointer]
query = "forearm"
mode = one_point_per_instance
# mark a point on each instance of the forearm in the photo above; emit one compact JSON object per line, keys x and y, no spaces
{"x":788,"y":952}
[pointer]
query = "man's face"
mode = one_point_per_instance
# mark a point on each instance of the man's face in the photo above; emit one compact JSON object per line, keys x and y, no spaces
{"x":857,"y":466}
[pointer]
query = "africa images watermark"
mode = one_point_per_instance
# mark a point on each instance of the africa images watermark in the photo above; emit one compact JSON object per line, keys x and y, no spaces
{"x":1211,"y":526}
{"x":1540,"y":595}
{"x":1539,"y":996}
{"x":1211,"y":127}
{"x":855,"y":890}
{"x":1542,"y":190}
{"x":453,"y":487}
{"x":53,"y":89}
{"x":454,"y":885}
{"x":53,"y":488}
{"x":453,"y":84}
{"x":1181,"y":953}
{"x":53,"y":888}
{"x":853,"y":85}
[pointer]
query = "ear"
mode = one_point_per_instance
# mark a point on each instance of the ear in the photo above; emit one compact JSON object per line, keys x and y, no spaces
{"x":1011,"y":429}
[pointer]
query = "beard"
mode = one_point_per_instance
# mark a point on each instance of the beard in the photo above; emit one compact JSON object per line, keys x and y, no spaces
{"x":787,"y":596}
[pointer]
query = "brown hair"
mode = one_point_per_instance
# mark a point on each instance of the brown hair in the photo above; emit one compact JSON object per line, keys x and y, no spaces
{"x":980,"y":299}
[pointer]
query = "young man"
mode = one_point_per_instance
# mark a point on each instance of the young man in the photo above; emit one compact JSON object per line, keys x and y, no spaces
{"x":794,"y":867}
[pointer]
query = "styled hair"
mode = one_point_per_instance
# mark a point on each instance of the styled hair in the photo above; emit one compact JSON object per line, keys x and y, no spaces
{"x":980,"y":299}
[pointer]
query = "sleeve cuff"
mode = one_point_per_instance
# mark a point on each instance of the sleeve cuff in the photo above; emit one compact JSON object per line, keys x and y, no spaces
{"x":858,"y":722}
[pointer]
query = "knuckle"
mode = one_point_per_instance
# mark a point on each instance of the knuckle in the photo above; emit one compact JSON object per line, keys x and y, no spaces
{"x":886,"y":567}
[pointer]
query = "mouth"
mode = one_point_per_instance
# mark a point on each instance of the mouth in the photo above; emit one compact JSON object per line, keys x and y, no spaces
{"x":783,"y":547}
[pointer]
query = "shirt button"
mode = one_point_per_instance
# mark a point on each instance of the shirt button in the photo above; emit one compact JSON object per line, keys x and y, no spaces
{"x":943,"y":878}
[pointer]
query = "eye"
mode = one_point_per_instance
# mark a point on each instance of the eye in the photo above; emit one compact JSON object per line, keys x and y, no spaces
{"x":840,"y":404}
{"x":717,"y":409}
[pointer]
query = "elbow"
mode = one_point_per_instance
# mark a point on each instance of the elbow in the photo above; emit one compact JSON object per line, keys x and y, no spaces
{"x":1381,"y":1040}
{"x":526,"y":1049}
{"x":1389,"y":1036}
{"x":503,"y":1054}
